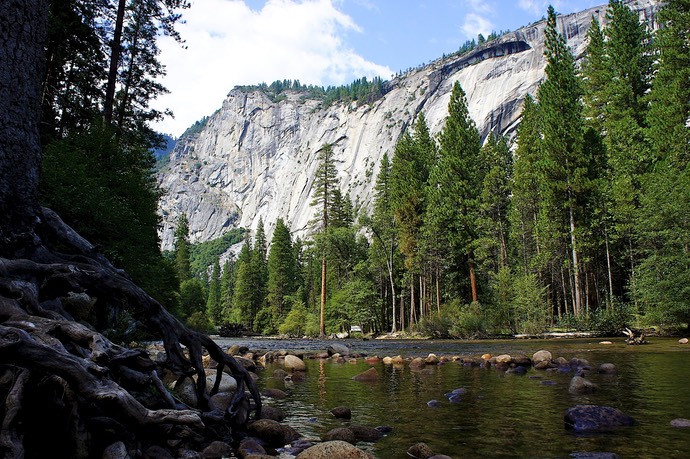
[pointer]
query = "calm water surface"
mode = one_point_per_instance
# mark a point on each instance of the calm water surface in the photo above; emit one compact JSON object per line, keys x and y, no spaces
{"x":501,"y":415}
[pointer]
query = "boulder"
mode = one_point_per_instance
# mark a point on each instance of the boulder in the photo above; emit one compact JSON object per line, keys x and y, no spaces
{"x":364,"y":433}
{"x":504,"y":358}
{"x":681,"y":423}
{"x":217,"y":450}
{"x":541,"y":356}
{"x":250,"y":447}
{"x":221,"y":401}
{"x":341,"y":412}
{"x":227,"y":382}
{"x":607,"y":369}
{"x":420,"y":451}
{"x":185,"y":389}
{"x":157,"y":452}
{"x":579,"y":385}
{"x":272,"y":412}
{"x":370,"y":375}
{"x":683,"y":341}
{"x":332,"y":450}
{"x":273,"y":393}
{"x":294,"y":363}
{"x":272,"y":432}
{"x":336,"y":348}
{"x":417,"y":363}
{"x":595,"y":418}
{"x":117,"y":450}
{"x":522,"y":360}
{"x":431,"y":359}
{"x":340,"y":433}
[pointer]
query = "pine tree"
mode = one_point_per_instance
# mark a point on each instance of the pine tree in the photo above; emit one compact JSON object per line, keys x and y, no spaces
{"x":565,"y":166}
{"x":663,"y":275}
{"x":526,"y":200}
{"x":242,"y":300}
{"x":325,"y":184}
{"x":281,"y":271}
{"x":382,"y":225}
{"x":457,"y":185}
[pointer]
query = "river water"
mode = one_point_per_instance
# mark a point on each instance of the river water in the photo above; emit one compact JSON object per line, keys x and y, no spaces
{"x":500,"y":415}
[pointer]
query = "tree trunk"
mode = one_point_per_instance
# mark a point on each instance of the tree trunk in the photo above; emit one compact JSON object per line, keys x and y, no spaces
{"x":22,"y":35}
{"x":576,"y":264}
{"x":473,"y":279}
{"x":322,"y":314}
{"x":115,"y":52}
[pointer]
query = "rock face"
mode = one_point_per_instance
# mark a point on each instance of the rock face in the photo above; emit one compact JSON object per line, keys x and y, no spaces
{"x":256,"y":156}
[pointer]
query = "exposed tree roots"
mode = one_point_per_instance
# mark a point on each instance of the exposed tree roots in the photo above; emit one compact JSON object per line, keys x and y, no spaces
{"x":57,"y":371}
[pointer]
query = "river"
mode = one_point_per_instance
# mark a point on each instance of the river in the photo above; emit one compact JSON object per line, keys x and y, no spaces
{"x":500,"y":415}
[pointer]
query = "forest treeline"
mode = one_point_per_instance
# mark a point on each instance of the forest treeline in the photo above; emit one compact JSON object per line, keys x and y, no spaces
{"x":582,"y":223}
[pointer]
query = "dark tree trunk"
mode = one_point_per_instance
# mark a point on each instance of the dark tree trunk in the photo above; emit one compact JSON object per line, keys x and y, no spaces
{"x":60,"y":378}
{"x":22,"y":34}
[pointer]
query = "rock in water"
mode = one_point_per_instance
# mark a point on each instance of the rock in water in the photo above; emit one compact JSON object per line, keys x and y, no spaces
{"x":294,"y":363}
{"x":579,"y":385}
{"x":336,"y":348}
{"x":333,"y":449}
{"x":595,"y":418}
{"x":341,"y":412}
{"x":370,"y":375}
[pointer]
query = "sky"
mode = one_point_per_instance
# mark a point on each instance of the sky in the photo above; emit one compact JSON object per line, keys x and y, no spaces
{"x":320,"y":42}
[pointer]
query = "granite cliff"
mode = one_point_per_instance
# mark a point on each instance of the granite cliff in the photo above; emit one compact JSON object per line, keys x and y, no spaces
{"x":255,"y":157}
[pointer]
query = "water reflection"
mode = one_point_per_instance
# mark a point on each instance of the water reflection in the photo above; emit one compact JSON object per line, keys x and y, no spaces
{"x":499,"y":415}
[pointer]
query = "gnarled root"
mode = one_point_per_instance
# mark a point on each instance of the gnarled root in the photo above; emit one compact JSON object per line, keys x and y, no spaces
{"x":41,"y":340}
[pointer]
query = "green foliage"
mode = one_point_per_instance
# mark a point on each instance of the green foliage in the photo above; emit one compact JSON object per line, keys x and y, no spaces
{"x":204,"y":254}
{"x":192,"y":298}
{"x":200,"y":322}
{"x":282,"y":264}
{"x":300,"y":322}
{"x":104,"y":188}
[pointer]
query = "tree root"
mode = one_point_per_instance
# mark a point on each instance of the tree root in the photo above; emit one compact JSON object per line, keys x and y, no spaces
{"x":45,"y":298}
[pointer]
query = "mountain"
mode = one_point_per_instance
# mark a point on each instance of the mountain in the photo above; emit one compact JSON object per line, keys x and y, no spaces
{"x":255,"y":157}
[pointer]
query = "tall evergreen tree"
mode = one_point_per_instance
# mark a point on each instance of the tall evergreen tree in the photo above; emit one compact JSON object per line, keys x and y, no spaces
{"x":565,"y":166}
{"x":663,"y":278}
{"x":325,"y":184}
{"x":456,"y":186}
{"x":281,"y":270}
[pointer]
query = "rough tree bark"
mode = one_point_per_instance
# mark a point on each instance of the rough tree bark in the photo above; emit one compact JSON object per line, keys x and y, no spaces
{"x":59,"y":377}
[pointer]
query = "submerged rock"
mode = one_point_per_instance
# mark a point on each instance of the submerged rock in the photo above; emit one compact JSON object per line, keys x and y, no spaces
{"x":272,"y":432}
{"x":681,"y":423}
{"x":579,"y":385}
{"x":340,"y":433}
{"x":370,"y":375}
{"x":341,"y":412}
{"x":420,"y":451}
{"x":595,"y":418}
{"x":364,"y":433}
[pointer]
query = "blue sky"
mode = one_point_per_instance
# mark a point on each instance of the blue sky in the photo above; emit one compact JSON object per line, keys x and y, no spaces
{"x":322,"y":42}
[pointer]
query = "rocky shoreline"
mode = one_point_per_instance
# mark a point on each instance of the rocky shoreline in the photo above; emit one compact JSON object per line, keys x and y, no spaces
{"x":270,"y":436}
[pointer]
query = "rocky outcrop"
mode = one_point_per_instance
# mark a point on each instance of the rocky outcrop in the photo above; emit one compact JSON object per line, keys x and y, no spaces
{"x":256,"y":156}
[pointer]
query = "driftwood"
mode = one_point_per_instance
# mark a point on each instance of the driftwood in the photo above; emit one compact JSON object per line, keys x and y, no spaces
{"x":635,"y":336}
{"x":53,"y":298}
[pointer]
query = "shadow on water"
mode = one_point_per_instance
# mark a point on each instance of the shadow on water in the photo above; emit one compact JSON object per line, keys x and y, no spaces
{"x":498,"y":415}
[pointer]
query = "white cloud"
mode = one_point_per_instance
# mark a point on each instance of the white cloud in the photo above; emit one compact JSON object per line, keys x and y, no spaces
{"x":230,"y":44}
{"x":475,"y":24}
{"x":538,"y":7}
